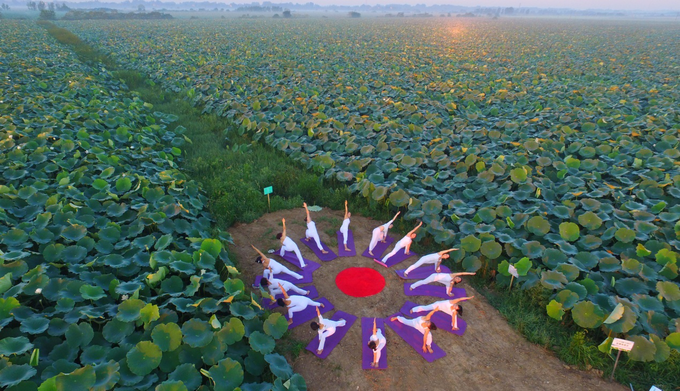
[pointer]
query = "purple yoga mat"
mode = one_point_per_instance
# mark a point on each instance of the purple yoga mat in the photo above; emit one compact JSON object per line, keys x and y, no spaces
{"x":306,"y":278}
{"x":308,"y":313}
{"x":421,"y":272}
{"x":311,"y":243}
{"x":399,"y":257}
{"x":271,"y":304}
{"x":292,"y":258}
{"x":414,"y":338}
{"x":333,"y":340}
{"x":350,"y":243}
{"x":435,"y":289}
{"x":441,"y":319}
{"x":379,"y":248}
{"x":366,"y":352}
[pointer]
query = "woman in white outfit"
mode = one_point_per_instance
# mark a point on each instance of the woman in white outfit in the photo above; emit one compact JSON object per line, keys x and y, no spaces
{"x":295,"y":303}
{"x":435,"y":259}
{"x":448,"y":279}
{"x":422,"y":324}
{"x":380,"y":234}
{"x":325,"y":328}
{"x":344,"y":228}
{"x":273,"y":267}
{"x":287,"y":244}
{"x":450,"y":307}
{"x":273,"y":285}
{"x":311,"y":232}
{"x":376,"y":343}
{"x":404,"y":243}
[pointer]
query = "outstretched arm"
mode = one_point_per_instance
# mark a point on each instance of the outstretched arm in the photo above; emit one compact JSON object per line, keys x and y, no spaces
{"x":283,"y":233}
{"x":307,"y":210}
{"x":259,"y":252}
{"x":415,"y":229}
{"x":395,"y":216}
{"x":425,"y":334}
{"x":375,"y":328}
{"x":346,"y":211}
{"x":454,"y":275}
{"x":455,"y":301}
{"x":447,"y":251}
{"x":428,"y":316}
{"x":318,"y":314}
{"x":283,"y":290}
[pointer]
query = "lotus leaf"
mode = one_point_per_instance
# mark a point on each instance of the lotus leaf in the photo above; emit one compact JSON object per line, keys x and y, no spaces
{"x":144,"y":358}
{"x":188,"y":375}
{"x":34,"y":325}
{"x":554,"y":310}
{"x":227,"y":375}
{"x":625,"y":323}
{"x":18,"y":345}
{"x":553,"y":279}
{"x":90,"y":292}
{"x":643,"y":350}
{"x":673,"y":340}
{"x":666,"y":256}
{"x":538,"y":226}
{"x":668,"y":290}
{"x":491,"y":249}
{"x":12,"y":375}
{"x":567,"y":298}
{"x":275,"y":325}
{"x":116,"y":330}
{"x":79,"y":335}
{"x":196,"y":333}
{"x":625,"y":235}
{"x":533,"y":249}
{"x":261,"y":342}
{"x":569,"y":231}
{"x":130,"y":310}
{"x":587,"y":314}
{"x":279,"y":366}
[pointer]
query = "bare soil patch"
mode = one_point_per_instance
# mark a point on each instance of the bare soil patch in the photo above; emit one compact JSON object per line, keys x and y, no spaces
{"x":490,"y":356}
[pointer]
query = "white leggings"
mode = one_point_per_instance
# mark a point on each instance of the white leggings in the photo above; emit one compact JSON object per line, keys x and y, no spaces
{"x":431,"y":278}
{"x":296,"y":250}
{"x":311,"y":233}
{"x":396,"y":249}
{"x":437,"y":306}
{"x":422,"y":261}
{"x":300,"y":307}
{"x":344,"y":230}
{"x":276,"y":269}
{"x":414,"y":323}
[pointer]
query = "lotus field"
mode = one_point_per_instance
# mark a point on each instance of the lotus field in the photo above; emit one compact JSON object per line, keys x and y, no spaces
{"x":551,"y":146}
{"x":108,"y":264}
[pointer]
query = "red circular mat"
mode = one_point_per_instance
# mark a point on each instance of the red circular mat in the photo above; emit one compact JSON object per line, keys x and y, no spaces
{"x":360,"y":281}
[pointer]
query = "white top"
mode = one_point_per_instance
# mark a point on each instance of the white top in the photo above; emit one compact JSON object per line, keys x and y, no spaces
{"x":345,"y":224}
{"x":443,"y":306}
{"x":430,"y":258}
{"x":288,"y":244}
{"x":380,"y":339}
{"x":444,"y":278}
{"x":274,"y":285}
{"x":311,"y":226}
{"x":299,"y":300}
{"x":403,"y":242}
{"x":418,"y":324}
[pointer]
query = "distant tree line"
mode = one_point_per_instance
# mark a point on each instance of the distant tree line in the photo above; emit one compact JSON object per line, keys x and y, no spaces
{"x":43,"y":6}
{"x":257,"y":8}
{"x":111,"y":14}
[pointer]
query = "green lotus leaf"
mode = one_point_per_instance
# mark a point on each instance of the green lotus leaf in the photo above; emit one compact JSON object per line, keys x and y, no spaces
{"x":538,"y":226}
{"x":470,"y":243}
{"x":533,"y":249}
{"x":233,"y":285}
{"x":379,"y":193}
{"x":74,"y":232}
{"x":227,"y":375}
{"x":34,"y":325}
{"x":171,"y":386}
{"x":472,"y":263}
{"x":663,"y":351}
{"x":569,"y":231}
{"x":279,"y":366}
{"x":7,"y":306}
{"x":163,"y":242}
{"x":518,"y":175}
{"x":670,"y":271}
{"x":275,"y":325}
{"x":503,"y":268}
{"x":629,"y":286}
{"x":81,"y":379}
{"x":93,"y":354}
{"x":554,"y":310}
{"x":616,"y":314}
{"x":242,"y":310}
{"x":188,"y":375}
{"x":567,"y":298}
{"x":100,"y":184}
{"x":212,"y":246}
{"x":668,"y":290}
{"x":14,"y":237}
{"x":167,"y":337}
{"x":571,"y":272}
{"x":610,"y":264}
{"x":491,"y":249}
{"x":399,"y":198}
{"x":553,"y":279}
{"x":643,"y":350}
{"x":12,"y":375}
{"x":173,"y":285}
{"x":648,"y":303}
{"x":631,"y":266}
{"x":149,"y":314}
{"x":17,"y":345}
{"x":144,"y":358}
{"x":79,"y":335}
{"x":130,"y":310}
{"x":5,"y":282}
{"x":666,"y":256}
{"x":625,"y":235}
{"x":115,"y":330}
{"x":110,"y":233}
{"x":128,"y":288}
{"x":432,"y":207}
{"x":123,"y":184}
{"x":553,"y":257}
{"x":673,"y":340}
{"x":261,"y":342}
{"x":196,"y":333}
{"x":587,"y":314}
{"x":625,"y":323}
{"x":590,"y":220}
{"x":89,"y":292}
{"x":523,"y":266}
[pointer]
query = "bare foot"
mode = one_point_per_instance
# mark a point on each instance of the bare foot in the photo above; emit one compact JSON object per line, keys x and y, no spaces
{"x":324,"y":252}
{"x":393,"y":318}
{"x":411,"y":310}
{"x":429,"y":349}
{"x":370,"y":253}
{"x":347,"y":249}
{"x":407,"y":253}
{"x":374,"y":364}
{"x":319,"y":351}
{"x":454,"y":328}
{"x":410,"y":288}
{"x":290,"y":321}
{"x":322,"y":305}
{"x":306,"y":293}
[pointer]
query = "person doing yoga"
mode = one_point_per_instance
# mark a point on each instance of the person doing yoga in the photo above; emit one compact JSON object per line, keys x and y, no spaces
{"x":311,"y":232}
{"x":344,"y":228}
{"x":273,"y":267}
{"x":287,"y":244}
{"x":450,"y":307}
{"x":435,"y":259}
{"x":380,"y":234}
{"x":295,"y":303}
{"x":448,"y":279}
{"x":376,"y":343}
{"x":404,"y":243}
{"x":325,"y":328}
{"x":423,"y":325}
{"x":273,"y":285}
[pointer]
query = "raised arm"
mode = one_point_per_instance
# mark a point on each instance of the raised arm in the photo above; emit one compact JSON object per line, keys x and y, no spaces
{"x":346,"y":211}
{"x":429,"y":315}
{"x":283,"y":291}
{"x":446,"y":251}
{"x":318,"y":314}
{"x":425,"y":334}
{"x":456,"y":301}
{"x":307,"y":210}
{"x":283,"y":233}
{"x":454,"y":275}
{"x":395,"y":216}
{"x":415,"y":229}
{"x":259,"y":252}
{"x":375,"y":328}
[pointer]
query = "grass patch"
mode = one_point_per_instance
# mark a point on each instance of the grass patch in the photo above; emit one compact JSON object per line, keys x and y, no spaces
{"x":85,"y":52}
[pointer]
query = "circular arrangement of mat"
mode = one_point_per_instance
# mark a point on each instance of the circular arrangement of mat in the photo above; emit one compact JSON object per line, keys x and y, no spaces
{"x":360,"y":282}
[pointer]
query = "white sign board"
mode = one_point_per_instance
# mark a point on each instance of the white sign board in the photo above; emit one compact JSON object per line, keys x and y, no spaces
{"x":622,"y":344}
{"x":513,"y":271}
{"x":655,"y":388}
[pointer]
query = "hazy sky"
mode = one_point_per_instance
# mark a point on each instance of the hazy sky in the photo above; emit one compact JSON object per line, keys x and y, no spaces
{"x":574,"y":4}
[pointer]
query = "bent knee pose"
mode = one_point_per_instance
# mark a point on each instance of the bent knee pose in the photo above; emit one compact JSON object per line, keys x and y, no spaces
{"x":404,"y":243}
{"x":325,"y":328}
{"x":311,"y":232}
{"x":435,"y":259}
{"x":287,"y":244}
{"x":423,"y":325}
{"x":273,"y":267}
{"x":448,"y":279}
{"x":376,"y":343}
{"x":273,"y":286}
{"x":344,"y":228}
{"x":380,"y":234}
{"x":295,"y":303}
{"x":450,"y":307}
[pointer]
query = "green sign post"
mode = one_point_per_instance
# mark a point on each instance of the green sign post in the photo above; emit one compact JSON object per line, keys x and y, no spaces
{"x":267,"y":191}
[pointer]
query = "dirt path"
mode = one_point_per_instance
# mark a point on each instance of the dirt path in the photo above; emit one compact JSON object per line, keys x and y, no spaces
{"x":490,"y":356}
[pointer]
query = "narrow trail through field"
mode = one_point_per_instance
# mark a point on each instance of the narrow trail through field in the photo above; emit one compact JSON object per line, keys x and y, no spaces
{"x":490,"y":356}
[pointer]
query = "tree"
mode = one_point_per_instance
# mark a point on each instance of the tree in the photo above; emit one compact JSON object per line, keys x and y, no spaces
{"x":286,"y":14}
{"x":42,"y":6}
{"x":141,"y":8}
{"x":354,"y":14}
{"x":47,"y":15}
{"x":32,"y":5}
